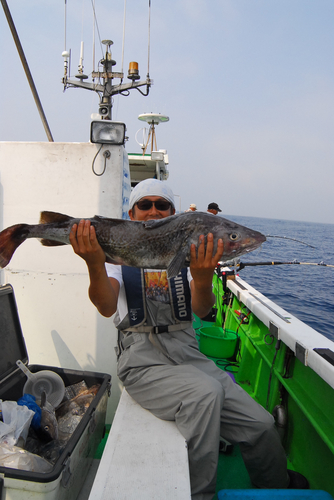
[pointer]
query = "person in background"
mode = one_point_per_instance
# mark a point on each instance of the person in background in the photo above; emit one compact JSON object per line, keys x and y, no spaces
{"x":192,"y":208}
{"x":213,"y":208}
{"x":158,"y":359}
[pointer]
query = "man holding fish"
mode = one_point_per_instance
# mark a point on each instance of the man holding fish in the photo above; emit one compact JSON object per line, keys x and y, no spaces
{"x":159,"y":361}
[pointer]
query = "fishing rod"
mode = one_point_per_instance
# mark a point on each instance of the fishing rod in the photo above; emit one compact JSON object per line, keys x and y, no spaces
{"x":242,"y":265}
{"x":235,"y":267}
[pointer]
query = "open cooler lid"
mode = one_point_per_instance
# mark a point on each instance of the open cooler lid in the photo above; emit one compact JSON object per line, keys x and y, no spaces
{"x":11,"y":338}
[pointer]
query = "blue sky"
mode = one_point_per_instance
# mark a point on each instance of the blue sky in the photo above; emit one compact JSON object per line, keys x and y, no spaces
{"x":248,"y":86}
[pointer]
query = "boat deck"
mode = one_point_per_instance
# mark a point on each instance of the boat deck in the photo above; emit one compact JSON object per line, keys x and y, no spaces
{"x":232,"y":473}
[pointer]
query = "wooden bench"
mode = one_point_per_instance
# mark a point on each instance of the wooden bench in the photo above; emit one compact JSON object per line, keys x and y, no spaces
{"x":144,"y":457}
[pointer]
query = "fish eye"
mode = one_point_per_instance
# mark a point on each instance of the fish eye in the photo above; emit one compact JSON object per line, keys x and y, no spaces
{"x":234,"y":236}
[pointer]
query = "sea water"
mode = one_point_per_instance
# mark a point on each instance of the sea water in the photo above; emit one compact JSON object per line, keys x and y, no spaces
{"x":306,"y":291}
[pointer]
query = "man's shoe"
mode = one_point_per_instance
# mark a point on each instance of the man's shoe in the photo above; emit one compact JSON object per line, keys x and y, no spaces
{"x":297,"y":481}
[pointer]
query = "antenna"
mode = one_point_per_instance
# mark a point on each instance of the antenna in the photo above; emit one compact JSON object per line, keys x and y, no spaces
{"x":123,"y":43}
{"x":149,"y":38}
{"x":105,"y":76}
{"x":94,"y":36}
{"x":66,"y":56}
{"x":81,"y":74}
{"x":152,"y":119}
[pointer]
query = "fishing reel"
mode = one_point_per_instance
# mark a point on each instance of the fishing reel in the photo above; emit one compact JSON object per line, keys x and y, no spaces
{"x":225,"y":272}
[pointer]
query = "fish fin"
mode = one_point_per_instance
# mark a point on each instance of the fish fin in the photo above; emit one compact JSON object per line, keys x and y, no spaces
{"x":43,"y":399}
{"x":176,"y":264}
{"x":100,"y":218}
{"x":10,"y":239}
{"x":153,"y":223}
{"x":49,"y":217}
{"x":51,"y":243}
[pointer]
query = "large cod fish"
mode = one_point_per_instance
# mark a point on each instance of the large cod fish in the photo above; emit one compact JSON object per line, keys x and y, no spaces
{"x":155,"y":244}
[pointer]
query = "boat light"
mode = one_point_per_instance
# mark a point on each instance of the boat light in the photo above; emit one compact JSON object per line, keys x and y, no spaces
{"x":107,"y":132}
{"x":157,"y":156}
{"x":133,"y":73}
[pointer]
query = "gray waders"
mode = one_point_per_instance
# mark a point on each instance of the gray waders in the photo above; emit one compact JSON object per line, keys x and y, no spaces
{"x":168,"y":375}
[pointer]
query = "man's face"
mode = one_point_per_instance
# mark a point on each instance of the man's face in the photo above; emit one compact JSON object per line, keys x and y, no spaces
{"x":136,"y":213}
{"x":213,"y":211}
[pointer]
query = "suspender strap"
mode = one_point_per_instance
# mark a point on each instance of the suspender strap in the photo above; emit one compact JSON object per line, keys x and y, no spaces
{"x":135,"y":294}
{"x":180,"y":296}
{"x":159,"y":329}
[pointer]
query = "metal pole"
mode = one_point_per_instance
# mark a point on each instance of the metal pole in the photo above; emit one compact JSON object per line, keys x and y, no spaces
{"x":26,"y":69}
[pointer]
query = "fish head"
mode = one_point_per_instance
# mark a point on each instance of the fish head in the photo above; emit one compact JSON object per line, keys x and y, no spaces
{"x":48,"y":429}
{"x":49,"y":426}
{"x":237,"y":239}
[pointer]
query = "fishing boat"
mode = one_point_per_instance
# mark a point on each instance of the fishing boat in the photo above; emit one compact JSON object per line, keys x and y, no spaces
{"x":285,"y":365}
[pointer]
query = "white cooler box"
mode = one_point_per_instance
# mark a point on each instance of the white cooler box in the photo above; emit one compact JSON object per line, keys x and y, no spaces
{"x":67,"y":476}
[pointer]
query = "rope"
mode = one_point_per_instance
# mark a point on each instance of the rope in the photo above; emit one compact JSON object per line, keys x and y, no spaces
{"x":97,"y":26}
{"x":287,"y":238}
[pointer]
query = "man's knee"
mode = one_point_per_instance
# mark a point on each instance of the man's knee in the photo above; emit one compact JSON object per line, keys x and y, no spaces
{"x":210,"y":390}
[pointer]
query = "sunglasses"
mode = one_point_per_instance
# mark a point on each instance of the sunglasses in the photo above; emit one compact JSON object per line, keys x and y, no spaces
{"x":161,"y":205}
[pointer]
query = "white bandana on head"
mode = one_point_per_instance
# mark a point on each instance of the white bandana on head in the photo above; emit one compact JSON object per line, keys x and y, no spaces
{"x":151,"y":187}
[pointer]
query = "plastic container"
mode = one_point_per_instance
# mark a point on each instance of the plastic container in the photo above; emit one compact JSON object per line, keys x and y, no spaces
{"x":45,"y":380}
{"x":217,"y":342}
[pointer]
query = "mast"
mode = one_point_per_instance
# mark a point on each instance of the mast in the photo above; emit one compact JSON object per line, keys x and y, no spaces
{"x":27,"y":70}
{"x":107,"y":89}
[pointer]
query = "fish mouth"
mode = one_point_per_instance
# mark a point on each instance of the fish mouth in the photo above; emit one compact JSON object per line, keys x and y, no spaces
{"x":252,"y":248}
{"x":247,"y":245}
{"x":254,"y":242}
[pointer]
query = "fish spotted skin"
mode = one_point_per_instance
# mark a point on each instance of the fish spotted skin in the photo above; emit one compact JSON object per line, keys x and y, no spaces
{"x":155,"y":244}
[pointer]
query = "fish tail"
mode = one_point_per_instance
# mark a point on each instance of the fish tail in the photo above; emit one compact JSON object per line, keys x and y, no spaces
{"x":10,"y":239}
